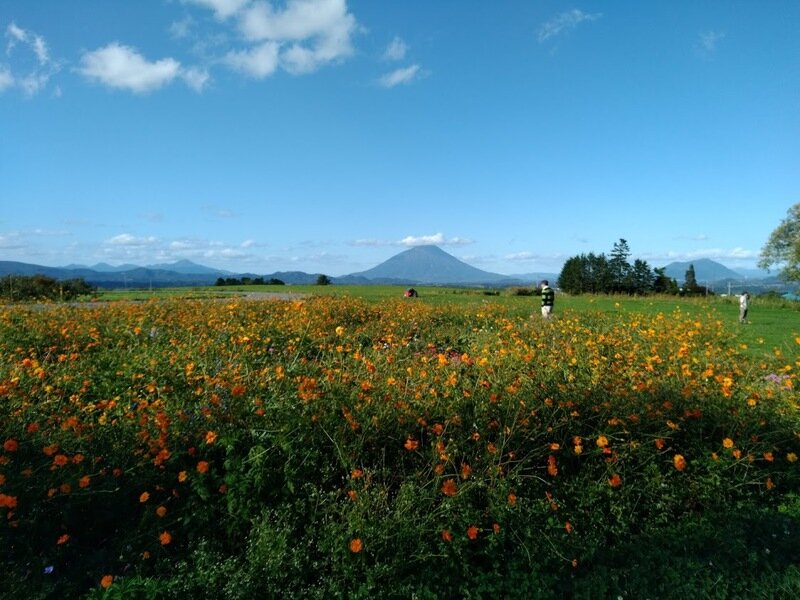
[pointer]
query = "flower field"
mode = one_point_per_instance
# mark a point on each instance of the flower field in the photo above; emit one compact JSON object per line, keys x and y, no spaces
{"x":330,"y":447}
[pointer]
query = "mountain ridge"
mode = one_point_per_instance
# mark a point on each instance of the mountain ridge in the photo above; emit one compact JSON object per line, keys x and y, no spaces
{"x":421,"y":265}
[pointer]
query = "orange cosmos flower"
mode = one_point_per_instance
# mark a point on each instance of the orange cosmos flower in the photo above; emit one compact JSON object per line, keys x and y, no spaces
{"x":568,"y":527}
{"x":660,"y":443}
{"x":356,"y":473}
{"x":183,"y":476}
{"x":84,"y":481}
{"x":211,"y":437}
{"x":437,"y":428}
{"x":769,"y":483}
{"x":555,"y":446}
{"x":615,"y":480}
{"x":10,"y":445}
{"x":63,"y":539}
{"x":161,"y":511}
{"x":356,"y":545}
{"x":737,"y":454}
{"x":602,"y":441}
{"x":238,"y":390}
{"x":411,"y":444}
{"x":552,"y":469}
{"x":60,"y":460}
{"x":8,"y":501}
{"x":50,"y":450}
{"x":466,"y":471}
{"x":446,"y":535}
{"x":106,"y":581}
{"x":165,"y":538}
{"x":727,"y":442}
{"x":791,"y":457}
{"x":202,"y":466}
{"x":449,"y":487}
{"x":578,"y":449}
{"x":679,"y":461}
{"x":472,"y":532}
{"x":512,"y":499}
{"x":769,"y":457}
{"x":144,"y":497}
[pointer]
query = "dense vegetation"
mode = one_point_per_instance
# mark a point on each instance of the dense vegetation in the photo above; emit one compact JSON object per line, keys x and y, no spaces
{"x":330,"y":447}
{"x":598,"y":274}
{"x":21,"y":288}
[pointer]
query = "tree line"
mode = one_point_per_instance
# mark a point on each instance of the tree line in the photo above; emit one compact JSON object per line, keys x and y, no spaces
{"x":615,"y":274}
{"x":15,"y":288}
{"x":222,"y":281}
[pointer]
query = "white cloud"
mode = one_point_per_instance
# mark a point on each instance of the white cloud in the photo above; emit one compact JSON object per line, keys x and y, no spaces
{"x":437,"y":239}
{"x":310,"y":33}
{"x":123,"y":67}
{"x":258,"y":62}
{"x":563,"y":23}
{"x":14,"y":34}
{"x":131,"y":241}
{"x":222,"y":8}
{"x":400,"y":76}
{"x":396,"y":50}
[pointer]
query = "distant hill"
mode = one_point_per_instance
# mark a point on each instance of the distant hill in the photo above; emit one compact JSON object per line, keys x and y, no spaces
{"x":432,"y":266}
{"x":187,"y":267}
{"x":705,"y":270}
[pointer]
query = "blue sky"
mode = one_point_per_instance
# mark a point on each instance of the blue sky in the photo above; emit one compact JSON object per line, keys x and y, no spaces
{"x":329,"y":135}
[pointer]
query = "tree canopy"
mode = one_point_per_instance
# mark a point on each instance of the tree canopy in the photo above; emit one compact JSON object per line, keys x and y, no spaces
{"x":783,"y":246}
{"x":597,"y":274}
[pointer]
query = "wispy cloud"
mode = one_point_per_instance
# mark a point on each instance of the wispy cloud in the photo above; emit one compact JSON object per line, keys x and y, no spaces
{"x":405,"y":75}
{"x":436,"y":239}
{"x":564,"y":23}
{"x":222,"y":8}
{"x":396,"y":50}
{"x":33,"y":65}
{"x":258,"y":62}
{"x":709,"y":40}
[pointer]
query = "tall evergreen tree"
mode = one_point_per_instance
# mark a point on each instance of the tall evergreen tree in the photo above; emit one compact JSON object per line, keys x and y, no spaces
{"x":690,"y":281}
{"x":619,"y":268}
{"x":641,"y":277}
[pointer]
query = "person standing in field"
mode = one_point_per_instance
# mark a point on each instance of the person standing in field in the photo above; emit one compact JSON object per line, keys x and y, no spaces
{"x":548,"y":299}
{"x":744,"y":302}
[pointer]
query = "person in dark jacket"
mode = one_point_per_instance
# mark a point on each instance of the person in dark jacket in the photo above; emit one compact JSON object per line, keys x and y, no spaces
{"x":548,"y":299}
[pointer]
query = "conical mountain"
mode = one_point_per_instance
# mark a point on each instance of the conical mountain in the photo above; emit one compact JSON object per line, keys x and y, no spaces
{"x":428,"y":265}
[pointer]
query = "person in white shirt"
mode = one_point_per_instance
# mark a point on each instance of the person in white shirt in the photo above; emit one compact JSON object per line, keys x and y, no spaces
{"x":744,"y":301}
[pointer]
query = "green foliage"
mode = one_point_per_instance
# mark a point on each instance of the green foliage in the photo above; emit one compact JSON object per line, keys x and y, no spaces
{"x":22,"y":288}
{"x":590,"y":273}
{"x":332,"y":447}
{"x":783,"y":246}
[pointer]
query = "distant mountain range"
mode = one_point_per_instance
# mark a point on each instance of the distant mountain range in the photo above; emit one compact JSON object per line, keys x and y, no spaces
{"x":421,"y":265}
